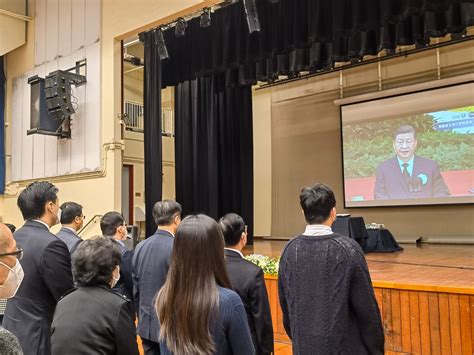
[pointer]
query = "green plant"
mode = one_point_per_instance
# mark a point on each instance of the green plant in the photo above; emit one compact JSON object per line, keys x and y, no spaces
{"x":268,"y":265}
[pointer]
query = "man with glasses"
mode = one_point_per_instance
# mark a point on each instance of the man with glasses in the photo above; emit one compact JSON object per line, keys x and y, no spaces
{"x":11,"y":276}
{"x":47,"y":265}
{"x":113,"y":226}
{"x":72,"y":220}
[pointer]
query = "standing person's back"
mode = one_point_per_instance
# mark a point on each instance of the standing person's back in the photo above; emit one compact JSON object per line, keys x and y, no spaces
{"x":151,"y":262}
{"x":248,"y":281}
{"x":325,"y":289}
{"x":47,"y":267}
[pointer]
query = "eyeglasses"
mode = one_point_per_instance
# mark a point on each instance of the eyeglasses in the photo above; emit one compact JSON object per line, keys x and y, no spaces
{"x":18,"y":254}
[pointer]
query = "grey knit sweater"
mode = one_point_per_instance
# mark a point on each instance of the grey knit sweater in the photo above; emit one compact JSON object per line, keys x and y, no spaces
{"x":327,"y":299}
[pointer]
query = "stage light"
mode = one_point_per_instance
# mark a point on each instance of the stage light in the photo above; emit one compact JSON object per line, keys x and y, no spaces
{"x":252,"y":16}
{"x":180,"y":27}
{"x":205,"y":18}
{"x":160,"y":43}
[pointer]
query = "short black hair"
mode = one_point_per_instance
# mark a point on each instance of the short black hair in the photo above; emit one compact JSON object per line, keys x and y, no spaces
{"x":317,"y":202}
{"x":165,"y":211}
{"x":94,"y":260}
{"x":232,"y":226}
{"x":110,"y":222}
{"x":406,"y":128}
{"x":69,"y":211}
{"x":34,"y":197}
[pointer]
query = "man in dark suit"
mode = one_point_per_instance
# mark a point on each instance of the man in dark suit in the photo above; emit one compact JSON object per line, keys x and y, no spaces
{"x":150,"y":267}
{"x":248,"y":281}
{"x":72,"y":220}
{"x":113,"y":226}
{"x":408,"y":175}
{"x":47,"y":267}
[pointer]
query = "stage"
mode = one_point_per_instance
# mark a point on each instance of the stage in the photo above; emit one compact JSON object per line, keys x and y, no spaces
{"x":425,"y":293}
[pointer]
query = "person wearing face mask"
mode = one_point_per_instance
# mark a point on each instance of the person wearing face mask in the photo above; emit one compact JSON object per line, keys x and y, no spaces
{"x":93,"y":318}
{"x":113,"y":226}
{"x":11,"y":276}
{"x":3,"y":301}
{"x":47,"y":265}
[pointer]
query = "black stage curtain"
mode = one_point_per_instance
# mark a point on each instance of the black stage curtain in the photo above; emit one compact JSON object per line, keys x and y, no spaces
{"x":214,"y":148}
{"x":305,"y":35}
{"x":152,"y":129}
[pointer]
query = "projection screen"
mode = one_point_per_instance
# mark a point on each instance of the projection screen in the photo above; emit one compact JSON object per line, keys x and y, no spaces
{"x":410,"y":149}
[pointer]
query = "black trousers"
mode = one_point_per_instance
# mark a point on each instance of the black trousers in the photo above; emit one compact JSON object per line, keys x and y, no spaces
{"x":150,"y":347}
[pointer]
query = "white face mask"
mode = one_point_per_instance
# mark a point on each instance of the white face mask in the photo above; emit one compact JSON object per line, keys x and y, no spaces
{"x":13,"y":280}
{"x":115,"y":280}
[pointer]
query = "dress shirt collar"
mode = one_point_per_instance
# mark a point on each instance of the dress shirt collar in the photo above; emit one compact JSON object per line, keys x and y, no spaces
{"x":167,"y":231}
{"x":71,"y":229}
{"x":40,"y":221}
{"x":120,"y":242}
{"x":409,"y":167}
{"x":317,"y":230}
{"x":237,"y":251}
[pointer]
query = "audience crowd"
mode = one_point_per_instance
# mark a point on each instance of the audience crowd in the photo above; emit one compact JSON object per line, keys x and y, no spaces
{"x":184,"y":290}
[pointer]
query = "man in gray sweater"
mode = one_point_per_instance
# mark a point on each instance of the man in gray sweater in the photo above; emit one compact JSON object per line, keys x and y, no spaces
{"x":325,"y":290}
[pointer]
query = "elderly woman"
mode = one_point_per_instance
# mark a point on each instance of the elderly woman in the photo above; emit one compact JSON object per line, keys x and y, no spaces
{"x":93,"y":319}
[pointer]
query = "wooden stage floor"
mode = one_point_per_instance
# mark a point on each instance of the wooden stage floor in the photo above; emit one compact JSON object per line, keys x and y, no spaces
{"x":426,"y":265}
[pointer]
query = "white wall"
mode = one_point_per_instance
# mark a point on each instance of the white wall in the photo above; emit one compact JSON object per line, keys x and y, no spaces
{"x":66,"y":31}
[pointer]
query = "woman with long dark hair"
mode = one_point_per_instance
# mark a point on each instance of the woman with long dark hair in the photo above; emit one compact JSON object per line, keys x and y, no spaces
{"x":197,"y":310}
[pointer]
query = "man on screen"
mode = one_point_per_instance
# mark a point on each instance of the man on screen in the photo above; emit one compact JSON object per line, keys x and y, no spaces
{"x":408,"y":175}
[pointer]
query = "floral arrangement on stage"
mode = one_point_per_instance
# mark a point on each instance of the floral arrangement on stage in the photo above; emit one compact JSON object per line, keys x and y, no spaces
{"x":268,"y":265}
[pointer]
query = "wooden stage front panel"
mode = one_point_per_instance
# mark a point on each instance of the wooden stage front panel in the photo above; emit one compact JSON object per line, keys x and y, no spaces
{"x":425,"y":295}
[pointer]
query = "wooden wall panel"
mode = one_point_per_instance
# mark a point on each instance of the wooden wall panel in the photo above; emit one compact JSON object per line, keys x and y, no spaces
{"x":38,"y":139}
{"x":78,"y":24}
{"x":65,"y":28}
{"x":455,"y":323}
{"x":93,"y":115}
{"x":434,"y":323}
{"x":93,"y":10}
{"x":466,"y":326}
{"x":424,"y":322}
{"x":52,"y":29}
{"x":51,"y":143}
{"x":40,"y":32}
{"x":405,"y":320}
{"x":415,"y":322}
{"x":27,"y":141}
{"x":17,"y":127}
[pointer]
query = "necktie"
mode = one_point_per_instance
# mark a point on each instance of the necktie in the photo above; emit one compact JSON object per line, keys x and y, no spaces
{"x":405,"y":173}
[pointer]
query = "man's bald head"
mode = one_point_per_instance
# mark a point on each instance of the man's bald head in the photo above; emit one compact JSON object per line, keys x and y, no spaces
{"x":6,"y":239}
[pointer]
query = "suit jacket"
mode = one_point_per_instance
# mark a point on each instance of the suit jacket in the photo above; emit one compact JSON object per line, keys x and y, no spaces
{"x":70,"y":238}
{"x":93,"y":320}
{"x":124,"y":285}
{"x":390,"y":183}
{"x":47,"y":266}
{"x":247,"y":280}
{"x":150,"y":267}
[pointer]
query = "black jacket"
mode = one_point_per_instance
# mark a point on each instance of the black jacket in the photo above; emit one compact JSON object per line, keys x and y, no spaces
{"x":150,"y":267}
{"x":93,"y":320}
{"x":248,"y":281}
{"x":47,"y":267}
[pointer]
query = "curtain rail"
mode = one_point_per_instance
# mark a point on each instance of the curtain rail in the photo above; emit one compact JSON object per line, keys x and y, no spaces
{"x":369,"y":61}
